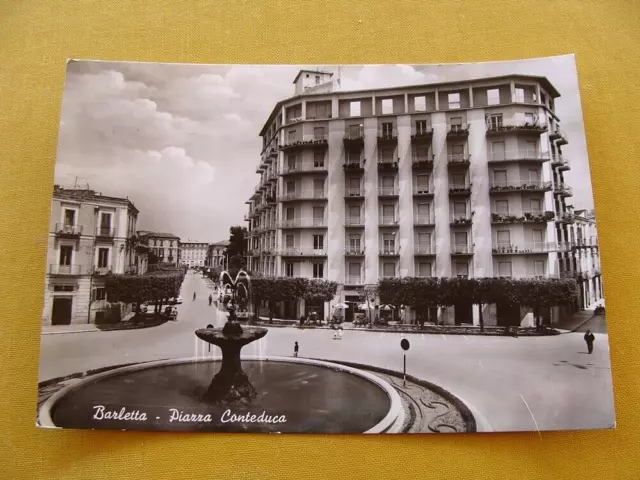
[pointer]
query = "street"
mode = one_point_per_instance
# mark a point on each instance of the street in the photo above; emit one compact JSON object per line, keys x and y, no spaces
{"x":525,"y":383}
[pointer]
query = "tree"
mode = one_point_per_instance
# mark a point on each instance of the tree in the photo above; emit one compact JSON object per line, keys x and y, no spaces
{"x":545,"y":293}
{"x":236,"y":245}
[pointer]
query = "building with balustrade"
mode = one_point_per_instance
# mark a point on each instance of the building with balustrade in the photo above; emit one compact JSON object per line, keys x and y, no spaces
{"x":451,"y":179}
{"x":90,"y":235}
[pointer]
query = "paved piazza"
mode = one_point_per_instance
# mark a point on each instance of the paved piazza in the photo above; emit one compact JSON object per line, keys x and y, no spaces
{"x":494,"y":376}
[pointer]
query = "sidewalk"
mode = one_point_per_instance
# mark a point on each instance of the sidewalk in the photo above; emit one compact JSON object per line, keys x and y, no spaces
{"x":76,"y":328}
{"x":576,"y":321}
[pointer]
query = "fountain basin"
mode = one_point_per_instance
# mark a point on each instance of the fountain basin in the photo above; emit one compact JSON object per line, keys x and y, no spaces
{"x":312,"y":396}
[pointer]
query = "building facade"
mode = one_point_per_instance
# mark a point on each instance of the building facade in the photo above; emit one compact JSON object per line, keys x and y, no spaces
{"x":586,"y":259}
{"x":216,"y":256}
{"x":193,"y":254}
{"x":456,"y":179}
{"x":90,"y":236}
{"x":164,"y":246}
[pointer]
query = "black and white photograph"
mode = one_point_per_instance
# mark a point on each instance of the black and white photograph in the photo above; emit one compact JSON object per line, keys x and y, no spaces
{"x":323,"y":249}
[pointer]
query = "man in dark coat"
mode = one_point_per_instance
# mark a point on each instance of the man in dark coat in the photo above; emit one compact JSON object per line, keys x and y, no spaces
{"x":589,"y":338}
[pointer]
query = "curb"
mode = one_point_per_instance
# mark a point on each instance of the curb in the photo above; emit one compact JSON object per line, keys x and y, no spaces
{"x":86,"y":330}
{"x":565,"y":331}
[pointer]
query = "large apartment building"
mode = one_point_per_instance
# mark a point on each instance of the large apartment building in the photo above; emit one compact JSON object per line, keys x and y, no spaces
{"x":165,"y":247}
{"x":216,"y":256}
{"x":90,"y":235}
{"x":193,"y":254}
{"x":452,"y":179}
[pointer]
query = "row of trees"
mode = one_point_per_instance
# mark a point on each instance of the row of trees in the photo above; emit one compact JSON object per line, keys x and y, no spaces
{"x":424,"y":293}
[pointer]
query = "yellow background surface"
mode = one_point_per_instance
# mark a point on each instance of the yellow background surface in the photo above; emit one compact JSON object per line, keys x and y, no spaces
{"x":36,"y":37}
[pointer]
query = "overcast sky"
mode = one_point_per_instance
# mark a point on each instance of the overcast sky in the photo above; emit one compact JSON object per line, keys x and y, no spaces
{"x":181,"y":141}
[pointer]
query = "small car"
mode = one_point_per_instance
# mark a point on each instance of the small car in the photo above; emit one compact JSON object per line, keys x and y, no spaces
{"x":171,"y":312}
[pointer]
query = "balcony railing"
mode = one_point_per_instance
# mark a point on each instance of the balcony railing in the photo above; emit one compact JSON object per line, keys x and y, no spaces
{"x":353,"y":280}
{"x":63,"y":229}
{"x":560,"y":161}
{"x":458,"y":159}
{"x":424,"y":162}
{"x":557,"y":134}
{"x":521,"y":217}
{"x":565,"y":217}
{"x":354,"y":221}
{"x":354,"y":251}
{"x":303,"y":167}
{"x":503,"y":128}
{"x":421,"y":136}
{"x":423,"y":219}
{"x":456,"y":131}
{"x":387,"y":137}
{"x":506,"y":186}
{"x":302,"y":252}
{"x":461,"y":249}
{"x":387,"y":191}
{"x":354,"y":166}
{"x":390,"y":250}
{"x":317,"y":141}
{"x":55,"y":269}
{"x":387,"y":164}
{"x":424,"y":249}
{"x":423,"y":190}
{"x":102,"y":270}
{"x":383,"y":220}
{"x":353,"y":192}
{"x":460,"y":219}
{"x":565,"y":246}
{"x":502,"y":248}
{"x":303,"y":222}
{"x":106,"y":232}
{"x":354,"y":137}
{"x":460,"y":189}
{"x":518,"y":155}
{"x":562,"y":189}
{"x":304,"y":195}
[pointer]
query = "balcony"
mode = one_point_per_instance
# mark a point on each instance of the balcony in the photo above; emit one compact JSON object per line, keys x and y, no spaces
{"x":354,"y":221}
{"x":353,"y":192}
{"x":460,"y":249}
{"x":106,"y":270}
{"x":518,"y":156}
{"x":522,"y":249}
{"x":559,"y":136}
{"x":387,"y":137}
{"x":303,"y":167}
{"x":352,"y":251}
{"x":565,"y":217}
{"x":105,"y":232}
{"x":565,"y":247}
{"x":388,"y":192}
{"x":520,"y":128}
{"x":521,"y":217}
{"x":560,"y":162}
{"x":459,"y":190}
{"x":420,"y":249}
{"x":317,"y":142}
{"x":458,"y":160}
{"x":351,"y":166}
{"x":422,"y":136}
{"x":458,"y":131}
{"x":388,"y":164}
{"x":389,"y":251}
{"x":303,"y":195}
{"x":563,"y":190}
{"x":423,"y":162}
{"x":508,"y":186}
{"x":353,"y":280}
{"x":304,"y":223}
{"x":64,"y":230}
{"x":55,"y":269}
{"x":460,"y":219}
{"x":354,"y":138}
{"x":423,"y":220}
{"x":302,"y":252}
{"x":388,"y":221}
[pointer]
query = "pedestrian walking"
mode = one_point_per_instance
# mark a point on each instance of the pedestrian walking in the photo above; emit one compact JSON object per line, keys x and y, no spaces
{"x":194,"y":296}
{"x":589,"y":338}
{"x":295,"y":349}
{"x":302,"y":319}
{"x":210,"y":299}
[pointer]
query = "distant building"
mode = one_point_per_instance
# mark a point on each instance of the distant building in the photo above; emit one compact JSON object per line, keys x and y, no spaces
{"x":90,"y":235}
{"x":216,"y":254}
{"x":193,"y":254}
{"x":165,"y":246}
{"x":586,"y":258}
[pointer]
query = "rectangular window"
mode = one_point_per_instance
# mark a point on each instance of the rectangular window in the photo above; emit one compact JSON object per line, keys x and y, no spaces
{"x":460,"y":208}
{"x":291,"y":213}
{"x":421,"y":127}
{"x":502,"y":206}
{"x":462,"y":269}
{"x":456,"y":124}
{"x":291,"y":162}
{"x":317,"y":79}
{"x":354,"y":213}
{"x":386,"y":154}
{"x":288,"y":269}
{"x":534,"y":175}
{"x":424,"y":240}
{"x":292,"y":136}
{"x":503,"y":238}
{"x":538,"y":268}
{"x":318,"y":215}
{"x":66,"y":253}
{"x":519,"y":95}
{"x":353,"y":186}
{"x":387,"y":106}
{"x":497,"y":151}
{"x":424,"y":211}
{"x":352,"y":157}
{"x":318,"y":242}
{"x":530,"y":149}
{"x":493,"y":96}
{"x":388,"y":242}
{"x":422,"y":152}
{"x":100,"y":293}
{"x":388,"y":269}
{"x":387,"y":183}
{"x":500,"y":178}
{"x":103,"y":257}
{"x":458,"y":180}
{"x":69,"y":217}
{"x":536,"y":205}
{"x":354,"y":109}
{"x":291,"y":187}
{"x":318,"y":133}
{"x":354,"y":242}
{"x":387,"y":130}
{"x":538,"y":237}
{"x":420,"y":104}
{"x":504,"y":269}
{"x":318,"y":270}
{"x":289,"y":240}
{"x":318,"y":159}
{"x":63,"y":288}
{"x":422,"y":182}
{"x":457,"y":150}
{"x":354,"y":273}
{"x":424,"y":269}
{"x":495,"y":121}
{"x":454,"y":100}
{"x":318,"y":187}
{"x":105,"y":223}
{"x":529,"y":118}
{"x":388,"y":213}
{"x":311,"y":111}
{"x":460,"y":239}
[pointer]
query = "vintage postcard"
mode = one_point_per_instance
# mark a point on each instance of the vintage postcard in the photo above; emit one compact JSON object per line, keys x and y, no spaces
{"x":323,"y":249}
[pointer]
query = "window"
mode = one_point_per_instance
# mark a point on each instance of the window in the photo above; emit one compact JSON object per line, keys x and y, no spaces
{"x":519,"y":95}
{"x":538,"y":238}
{"x":100,"y":293}
{"x":318,"y":215}
{"x":318,"y":133}
{"x":387,"y":184}
{"x":534,"y":175}
{"x":318,"y":187}
{"x":352,"y":157}
{"x":493,"y":96}
{"x":69,"y":217}
{"x":387,"y":130}
{"x":388,"y":243}
{"x":504,"y":269}
{"x":538,"y":268}
{"x":460,"y":239}
{"x":354,"y":272}
{"x":354,"y":242}
{"x":536,"y":205}
{"x":318,"y":242}
{"x":495,"y":121}
{"x":354,"y":186}
{"x":424,"y":211}
{"x":317,"y":79}
{"x":462,"y":269}
{"x":502,"y":206}
{"x":457,"y":151}
{"x":424,"y":269}
{"x":289,"y":240}
{"x":354,"y":214}
{"x":288,"y":269}
{"x":454,"y":100}
{"x":388,"y":269}
{"x":497,"y":151}
{"x":458,"y":180}
{"x":63,"y":288}
{"x":105,"y":223}
{"x":529,"y":118}
{"x":388,"y":213}
{"x":422,"y":182}
{"x":421,"y":127}
{"x":291,"y":162}
{"x":387,"y":106}
{"x":354,"y":109}
{"x":456,"y":124}
{"x":66,"y":254}
{"x":460,"y":209}
{"x":420,"y":104}
{"x":291,"y":187}
{"x":386,"y":154}
{"x":318,"y":270}
{"x":424,"y":240}
{"x":292,"y":136}
{"x":103,"y":257}
{"x":422,"y":152}
{"x":500,"y":178}
{"x":503,"y":238}
{"x":290,"y":213}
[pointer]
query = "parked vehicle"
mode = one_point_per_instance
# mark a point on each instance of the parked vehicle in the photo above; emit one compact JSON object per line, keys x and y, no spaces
{"x":172,"y":313}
